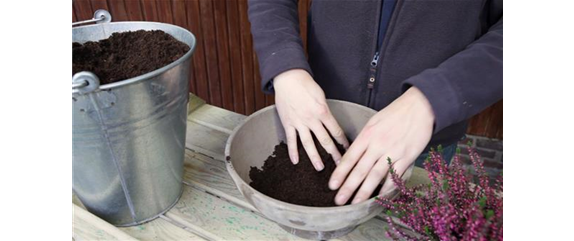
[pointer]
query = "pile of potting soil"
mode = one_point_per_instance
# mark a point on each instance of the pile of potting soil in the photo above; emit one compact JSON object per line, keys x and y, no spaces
{"x":126,"y":55}
{"x":297,"y":184}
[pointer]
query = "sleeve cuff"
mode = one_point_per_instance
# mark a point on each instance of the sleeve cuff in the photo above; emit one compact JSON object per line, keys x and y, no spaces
{"x":279,"y":62}
{"x":441,"y":94}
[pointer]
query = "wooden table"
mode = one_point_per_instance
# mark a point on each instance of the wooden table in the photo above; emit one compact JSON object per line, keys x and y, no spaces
{"x":210,"y":208}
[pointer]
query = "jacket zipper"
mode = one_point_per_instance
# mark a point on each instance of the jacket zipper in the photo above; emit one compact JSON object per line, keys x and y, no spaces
{"x":380,"y":46}
{"x":373,"y":72}
{"x":375,"y":61}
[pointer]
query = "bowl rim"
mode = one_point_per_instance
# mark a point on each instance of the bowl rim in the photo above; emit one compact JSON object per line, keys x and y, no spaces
{"x":283,"y":204}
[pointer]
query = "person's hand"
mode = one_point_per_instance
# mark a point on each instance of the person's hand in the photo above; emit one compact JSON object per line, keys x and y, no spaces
{"x":400,"y":132}
{"x":303,"y":109}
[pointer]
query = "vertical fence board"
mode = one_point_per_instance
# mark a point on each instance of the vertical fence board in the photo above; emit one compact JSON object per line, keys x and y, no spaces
{"x":198,"y":59}
{"x":149,"y":10}
{"x":246,"y":57}
{"x":208,"y":32}
{"x":220,"y":15}
{"x":134,"y":10}
{"x":83,"y":10}
{"x":234,"y":42}
{"x":118,"y":11}
{"x":74,"y":18}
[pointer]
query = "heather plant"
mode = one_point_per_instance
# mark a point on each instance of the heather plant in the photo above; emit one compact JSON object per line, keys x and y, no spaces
{"x":451,"y":207}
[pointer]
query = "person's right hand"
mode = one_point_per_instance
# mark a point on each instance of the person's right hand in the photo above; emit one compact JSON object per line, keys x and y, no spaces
{"x":303,"y":109}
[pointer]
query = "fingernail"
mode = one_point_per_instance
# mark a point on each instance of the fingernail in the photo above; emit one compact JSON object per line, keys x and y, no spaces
{"x":295,"y":160}
{"x":337,"y":161}
{"x":334,"y":184}
{"x":340,"y":199}
{"x":320,"y":166}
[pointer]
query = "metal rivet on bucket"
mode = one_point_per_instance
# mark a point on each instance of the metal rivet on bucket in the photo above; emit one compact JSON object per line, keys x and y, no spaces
{"x":100,"y":16}
{"x":85,"y":82}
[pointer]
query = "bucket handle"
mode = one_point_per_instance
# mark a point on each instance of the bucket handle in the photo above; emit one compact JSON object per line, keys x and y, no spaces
{"x":85,"y":82}
{"x":100,"y":16}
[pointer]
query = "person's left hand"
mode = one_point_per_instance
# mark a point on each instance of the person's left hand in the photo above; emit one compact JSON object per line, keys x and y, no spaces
{"x":400,"y":132}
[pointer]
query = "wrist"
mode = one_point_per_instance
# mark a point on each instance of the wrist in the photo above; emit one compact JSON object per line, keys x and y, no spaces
{"x":290,"y":76}
{"x":423,"y":105}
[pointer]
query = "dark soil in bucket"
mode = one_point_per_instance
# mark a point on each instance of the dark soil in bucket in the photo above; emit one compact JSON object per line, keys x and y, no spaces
{"x":297,"y":184}
{"x":126,"y":55}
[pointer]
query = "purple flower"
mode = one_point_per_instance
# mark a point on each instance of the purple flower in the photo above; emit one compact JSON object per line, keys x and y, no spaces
{"x":450,"y":207}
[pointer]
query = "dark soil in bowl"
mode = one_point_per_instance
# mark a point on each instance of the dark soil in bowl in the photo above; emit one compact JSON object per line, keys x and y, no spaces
{"x":126,"y":55}
{"x":297,"y":184}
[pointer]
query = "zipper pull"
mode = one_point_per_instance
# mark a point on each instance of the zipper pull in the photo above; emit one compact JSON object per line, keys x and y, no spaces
{"x":373,"y":71}
{"x":375,"y":60}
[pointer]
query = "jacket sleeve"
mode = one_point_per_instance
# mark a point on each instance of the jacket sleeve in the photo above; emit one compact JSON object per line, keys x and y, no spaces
{"x":275,"y":30}
{"x":466,"y":83}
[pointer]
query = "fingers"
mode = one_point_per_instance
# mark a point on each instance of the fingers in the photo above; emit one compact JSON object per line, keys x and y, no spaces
{"x":326,"y":141}
{"x":291,"y":135}
{"x":335,"y":130}
{"x":310,"y":148}
{"x":373,"y":180}
{"x":347,"y":163}
{"x":357,"y":176}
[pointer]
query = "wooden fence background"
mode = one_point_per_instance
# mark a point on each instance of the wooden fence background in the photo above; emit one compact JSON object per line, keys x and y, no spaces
{"x":225,"y":71}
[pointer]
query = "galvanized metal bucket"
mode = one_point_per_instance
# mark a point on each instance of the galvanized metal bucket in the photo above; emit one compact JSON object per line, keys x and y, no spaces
{"x":129,"y":137}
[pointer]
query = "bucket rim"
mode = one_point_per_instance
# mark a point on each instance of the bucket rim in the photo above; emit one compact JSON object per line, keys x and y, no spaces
{"x":153,"y":73}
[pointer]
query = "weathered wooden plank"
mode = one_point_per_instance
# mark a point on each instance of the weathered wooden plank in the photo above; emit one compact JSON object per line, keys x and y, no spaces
{"x":211,"y":176}
{"x":194,"y":103}
{"x":205,"y":140}
{"x":86,"y":226}
{"x":373,"y":229}
{"x":223,"y":219}
{"x":77,"y":202}
{"x":160,"y":229}
{"x":216,"y":118}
